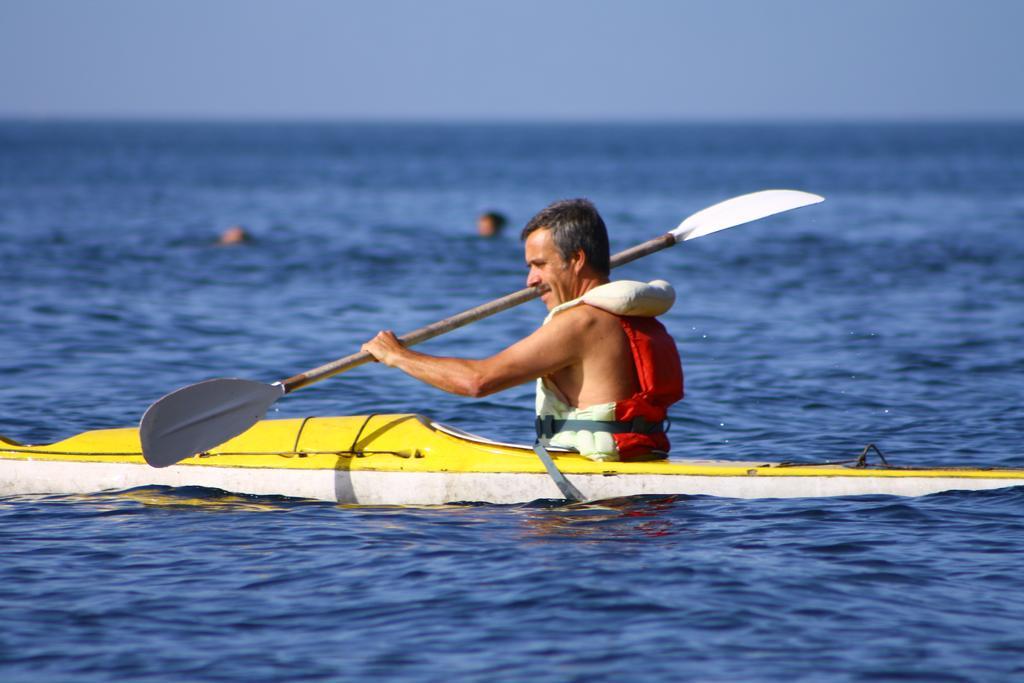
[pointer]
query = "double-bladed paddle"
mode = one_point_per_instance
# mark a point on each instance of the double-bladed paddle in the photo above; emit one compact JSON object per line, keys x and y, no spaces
{"x":199,"y":417}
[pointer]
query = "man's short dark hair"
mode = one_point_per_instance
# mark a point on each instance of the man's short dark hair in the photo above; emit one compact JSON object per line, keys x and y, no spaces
{"x":575,"y":224}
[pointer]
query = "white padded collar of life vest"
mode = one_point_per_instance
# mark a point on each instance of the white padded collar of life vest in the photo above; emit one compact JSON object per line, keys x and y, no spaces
{"x":626,"y":297}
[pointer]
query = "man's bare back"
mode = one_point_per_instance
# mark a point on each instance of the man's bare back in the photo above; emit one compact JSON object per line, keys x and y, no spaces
{"x":604,"y":370}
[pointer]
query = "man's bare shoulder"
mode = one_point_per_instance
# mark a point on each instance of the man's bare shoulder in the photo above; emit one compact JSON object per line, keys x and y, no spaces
{"x":584,"y":318}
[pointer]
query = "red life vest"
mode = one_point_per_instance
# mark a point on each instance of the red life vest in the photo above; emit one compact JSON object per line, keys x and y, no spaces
{"x":660,"y":375}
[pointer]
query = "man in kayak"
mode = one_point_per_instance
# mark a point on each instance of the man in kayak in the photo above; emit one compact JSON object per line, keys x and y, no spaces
{"x":606,"y":369}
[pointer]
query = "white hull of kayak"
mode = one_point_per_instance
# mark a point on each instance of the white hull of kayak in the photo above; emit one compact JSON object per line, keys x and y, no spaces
{"x":436,"y":488}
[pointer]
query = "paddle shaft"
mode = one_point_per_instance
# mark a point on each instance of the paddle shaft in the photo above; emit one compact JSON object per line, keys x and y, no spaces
{"x":462,"y":319}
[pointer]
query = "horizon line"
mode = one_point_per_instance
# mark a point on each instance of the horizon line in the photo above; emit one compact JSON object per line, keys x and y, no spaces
{"x":505,"y":121}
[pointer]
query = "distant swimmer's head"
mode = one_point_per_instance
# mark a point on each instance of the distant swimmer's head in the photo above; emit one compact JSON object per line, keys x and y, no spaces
{"x":490,"y":224}
{"x":236,"y":234}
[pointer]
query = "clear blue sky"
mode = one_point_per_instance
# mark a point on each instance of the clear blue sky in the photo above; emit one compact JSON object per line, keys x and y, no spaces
{"x":513,"y":59}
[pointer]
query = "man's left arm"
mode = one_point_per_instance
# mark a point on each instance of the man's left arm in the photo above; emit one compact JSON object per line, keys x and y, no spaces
{"x":550,"y":348}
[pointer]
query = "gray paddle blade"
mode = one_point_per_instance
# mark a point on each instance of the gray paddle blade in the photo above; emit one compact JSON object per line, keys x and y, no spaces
{"x":201,"y":416}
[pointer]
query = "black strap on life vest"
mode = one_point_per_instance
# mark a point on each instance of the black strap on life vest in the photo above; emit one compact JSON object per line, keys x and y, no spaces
{"x":548,"y":426}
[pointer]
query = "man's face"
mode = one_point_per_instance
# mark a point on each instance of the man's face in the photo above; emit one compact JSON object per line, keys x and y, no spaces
{"x":547,"y":267}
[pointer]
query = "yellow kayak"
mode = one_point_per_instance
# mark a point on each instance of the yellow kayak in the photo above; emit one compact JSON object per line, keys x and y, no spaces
{"x":411,"y":460}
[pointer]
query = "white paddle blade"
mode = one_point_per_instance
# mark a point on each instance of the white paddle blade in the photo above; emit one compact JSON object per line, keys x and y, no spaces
{"x":199,"y":417}
{"x":742,"y":209}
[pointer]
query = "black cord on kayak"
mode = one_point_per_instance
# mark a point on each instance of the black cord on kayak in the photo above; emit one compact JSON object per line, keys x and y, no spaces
{"x":352,"y":451}
{"x":298,"y":436}
{"x":355,"y":442}
{"x":862,"y":461}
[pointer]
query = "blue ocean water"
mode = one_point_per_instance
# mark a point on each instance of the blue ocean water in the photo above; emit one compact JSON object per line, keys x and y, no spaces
{"x":893,"y":313}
